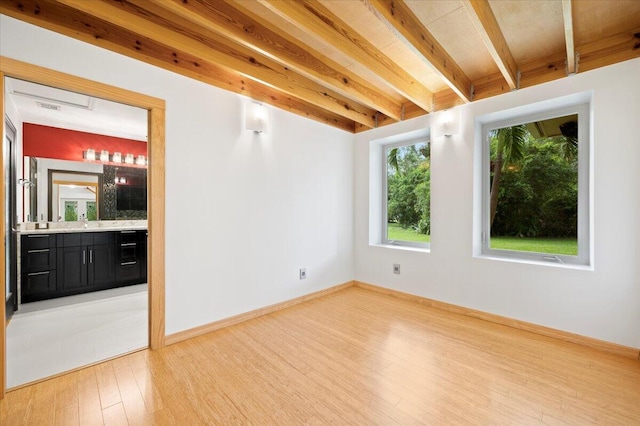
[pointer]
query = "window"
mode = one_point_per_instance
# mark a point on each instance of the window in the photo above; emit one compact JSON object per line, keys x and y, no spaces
{"x":535,"y":186}
{"x":406,"y":193}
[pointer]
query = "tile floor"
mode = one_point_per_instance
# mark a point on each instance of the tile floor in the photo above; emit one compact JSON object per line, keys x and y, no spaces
{"x":49,"y":337}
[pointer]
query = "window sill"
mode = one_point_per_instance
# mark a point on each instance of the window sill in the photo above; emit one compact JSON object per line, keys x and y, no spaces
{"x":536,"y":262}
{"x":405,"y":248}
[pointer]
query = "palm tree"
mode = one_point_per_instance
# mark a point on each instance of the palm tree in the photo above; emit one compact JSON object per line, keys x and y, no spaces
{"x":392,"y":159}
{"x":509,"y":148}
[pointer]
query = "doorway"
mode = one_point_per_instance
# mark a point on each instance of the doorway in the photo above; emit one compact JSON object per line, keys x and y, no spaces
{"x":11,"y":281}
{"x":155,"y":265}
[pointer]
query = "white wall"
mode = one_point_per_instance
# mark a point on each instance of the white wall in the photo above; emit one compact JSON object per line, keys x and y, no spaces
{"x":604,"y":303}
{"x":243,"y":211}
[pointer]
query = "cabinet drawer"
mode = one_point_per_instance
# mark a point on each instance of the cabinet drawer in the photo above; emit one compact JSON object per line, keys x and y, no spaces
{"x":35,"y":283}
{"x":39,"y":259}
{"x":38,"y":241}
{"x":128,"y":251}
{"x":128,"y":237}
{"x":128,"y":271}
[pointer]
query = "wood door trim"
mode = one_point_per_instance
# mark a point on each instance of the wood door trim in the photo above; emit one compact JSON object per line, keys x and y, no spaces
{"x":156,"y":185}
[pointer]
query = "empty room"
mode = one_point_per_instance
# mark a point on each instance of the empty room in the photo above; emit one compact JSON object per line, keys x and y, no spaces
{"x":320,"y":212}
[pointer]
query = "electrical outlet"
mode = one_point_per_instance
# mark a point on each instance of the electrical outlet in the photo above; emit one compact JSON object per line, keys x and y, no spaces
{"x":396,"y":268}
{"x":303,"y":273}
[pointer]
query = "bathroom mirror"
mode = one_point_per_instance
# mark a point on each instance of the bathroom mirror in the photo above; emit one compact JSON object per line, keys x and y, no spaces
{"x":95,"y":190}
{"x":74,"y":196}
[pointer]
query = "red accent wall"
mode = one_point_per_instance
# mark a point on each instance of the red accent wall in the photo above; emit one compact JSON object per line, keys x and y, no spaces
{"x":63,"y":144}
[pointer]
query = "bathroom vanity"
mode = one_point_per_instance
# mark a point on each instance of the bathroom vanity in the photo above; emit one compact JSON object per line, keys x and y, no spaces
{"x":64,"y":261}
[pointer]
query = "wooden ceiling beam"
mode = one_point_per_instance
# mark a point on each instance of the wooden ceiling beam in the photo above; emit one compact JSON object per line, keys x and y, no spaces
{"x":567,"y":17}
{"x":72,"y":23}
{"x":617,"y":48}
{"x":396,"y":13}
{"x":217,"y":50}
{"x":246,"y":28}
{"x":487,"y":26}
{"x":313,"y":17}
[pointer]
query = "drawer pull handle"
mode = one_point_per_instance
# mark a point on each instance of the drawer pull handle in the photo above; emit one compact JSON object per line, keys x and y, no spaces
{"x":38,"y":236}
{"x":128,"y":244}
{"x":128,"y":263}
{"x":127,"y":232}
{"x":38,"y":251}
{"x":31,"y":274}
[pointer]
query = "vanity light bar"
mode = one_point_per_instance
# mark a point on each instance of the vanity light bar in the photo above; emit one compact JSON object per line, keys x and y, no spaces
{"x":116,"y":157}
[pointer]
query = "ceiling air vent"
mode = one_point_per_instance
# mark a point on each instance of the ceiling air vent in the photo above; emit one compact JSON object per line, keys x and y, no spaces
{"x":48,"y":106}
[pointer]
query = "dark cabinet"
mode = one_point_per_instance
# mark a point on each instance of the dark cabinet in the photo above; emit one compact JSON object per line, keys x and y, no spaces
{"x":101,"y":265}
{"x":64,"y":264}
{"x":72,"y":267}
{"x":38,"y":273}
{"x":85,"y":259}
{"x":131,"y":264}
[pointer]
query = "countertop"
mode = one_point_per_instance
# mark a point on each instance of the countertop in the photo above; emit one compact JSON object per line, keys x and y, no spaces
{"x":94,"y":226}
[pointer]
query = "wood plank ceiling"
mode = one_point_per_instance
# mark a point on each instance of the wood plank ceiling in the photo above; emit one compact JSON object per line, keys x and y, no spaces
{"x":354,"y":64}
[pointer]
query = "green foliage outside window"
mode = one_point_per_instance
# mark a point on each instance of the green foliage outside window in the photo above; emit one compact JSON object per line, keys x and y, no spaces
{"x":537,"y":193}
{"x":92,"y":211}
{"x":408,"y":188}
{"x":70,"y":211}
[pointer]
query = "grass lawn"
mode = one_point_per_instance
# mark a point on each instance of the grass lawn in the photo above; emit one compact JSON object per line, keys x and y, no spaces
{"x":568,"y":246}
{"x":397,"y":233}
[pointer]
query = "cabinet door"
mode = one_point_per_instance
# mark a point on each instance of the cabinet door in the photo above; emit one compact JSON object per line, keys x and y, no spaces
{"x":101,"y":265}
{"x":72,"y":267}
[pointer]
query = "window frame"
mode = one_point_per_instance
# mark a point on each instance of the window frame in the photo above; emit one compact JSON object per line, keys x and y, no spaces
{"x":581,"y":107}
{"x":385,"y":217}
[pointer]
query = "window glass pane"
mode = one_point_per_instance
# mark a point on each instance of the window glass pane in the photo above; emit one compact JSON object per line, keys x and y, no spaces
{"x":70,"y":211}
{"x":408,"y":193}
{"x":533,"y":200}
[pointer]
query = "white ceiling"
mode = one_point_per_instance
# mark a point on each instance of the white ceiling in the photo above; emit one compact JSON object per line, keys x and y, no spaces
{"x":54,"y":107}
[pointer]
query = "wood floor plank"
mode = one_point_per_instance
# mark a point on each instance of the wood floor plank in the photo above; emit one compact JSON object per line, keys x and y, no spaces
{"x":42,"y":409}
{"x":114,"y":415}
{"x":107,"y":385}
{"x":132,"y":400}
{"x":67,"y":415}
{"x":351,"y":357}
{"x":89,"y":407}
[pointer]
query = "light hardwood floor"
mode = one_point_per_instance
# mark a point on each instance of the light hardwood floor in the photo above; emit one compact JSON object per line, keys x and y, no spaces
{"x":352,"y":357}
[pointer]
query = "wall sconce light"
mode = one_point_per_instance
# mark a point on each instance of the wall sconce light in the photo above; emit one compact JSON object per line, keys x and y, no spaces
{"x":90,"y":154}
{"x":449,"y":122}
{"x":117,"y":157}
{"x":255,"y":117}
{"x":104,"y":156}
